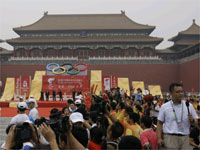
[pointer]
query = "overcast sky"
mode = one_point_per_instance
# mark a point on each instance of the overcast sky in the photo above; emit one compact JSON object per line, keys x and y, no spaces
{"x":169,"y":16}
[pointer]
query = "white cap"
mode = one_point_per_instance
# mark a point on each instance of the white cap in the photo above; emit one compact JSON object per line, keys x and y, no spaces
{"x":31,"y":100}
{"x":76,"y":117}
{"x":78,"y":101}
{"x":21,"y":97}
{"x":31,"y":96}
{"x":22,"y":105}
{"x":28,"y":121}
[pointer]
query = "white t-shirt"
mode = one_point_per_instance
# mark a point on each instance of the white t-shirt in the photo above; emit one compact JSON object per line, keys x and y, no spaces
{"x":19,"y":118}
{"x":34,"y":113}
{"x":155,"y":113}
{"x":167,"y":116}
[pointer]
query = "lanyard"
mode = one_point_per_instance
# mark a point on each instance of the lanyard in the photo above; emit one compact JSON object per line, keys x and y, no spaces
{"x":175,"y":112}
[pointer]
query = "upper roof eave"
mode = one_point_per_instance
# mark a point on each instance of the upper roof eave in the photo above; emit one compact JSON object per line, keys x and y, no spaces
{"x":167,"y":50}
{"x":79,"y":39}
{"x":84,"y":22}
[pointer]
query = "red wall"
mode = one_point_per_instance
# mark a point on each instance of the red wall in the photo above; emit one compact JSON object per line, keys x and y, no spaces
{"x":162,"y":74}
{"x":189,"y":74}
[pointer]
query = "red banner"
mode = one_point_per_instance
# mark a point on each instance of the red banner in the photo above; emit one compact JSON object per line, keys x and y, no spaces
{"x":17,"y":87}
{"x":65,"y":83}
{"x":22,"y":86}
{"x":114,"y":81}
{"x":109,"y":82}
{"x":25,"y":85}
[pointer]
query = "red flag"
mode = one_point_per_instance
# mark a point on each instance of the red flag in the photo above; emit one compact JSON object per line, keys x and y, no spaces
{"x":92,"y":89}
{"x":95,"y":89}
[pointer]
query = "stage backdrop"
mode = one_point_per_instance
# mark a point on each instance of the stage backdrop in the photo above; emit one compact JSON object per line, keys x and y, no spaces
{"x":65,"y":83}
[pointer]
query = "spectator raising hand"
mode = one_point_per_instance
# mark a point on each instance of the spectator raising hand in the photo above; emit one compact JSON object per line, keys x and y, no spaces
{"x":49,"y":135}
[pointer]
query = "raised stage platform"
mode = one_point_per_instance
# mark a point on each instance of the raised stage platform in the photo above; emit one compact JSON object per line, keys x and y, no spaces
{"x":44,"y":108}
{"x":40,"y":103}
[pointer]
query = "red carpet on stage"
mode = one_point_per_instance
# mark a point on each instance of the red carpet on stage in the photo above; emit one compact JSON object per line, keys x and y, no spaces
{"x":41,"y":103}
{"x":10,"y":112}
{"x":44,"y":108}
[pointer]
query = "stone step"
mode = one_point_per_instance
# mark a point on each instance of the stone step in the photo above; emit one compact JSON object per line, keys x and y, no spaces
{"x":4,"y":126}
{"x":3,"y":137}
{"x":2,"y":131}
{"x":5,"y":119}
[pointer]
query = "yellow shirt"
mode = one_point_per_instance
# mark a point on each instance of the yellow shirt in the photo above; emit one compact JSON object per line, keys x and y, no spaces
{"x":136,"y":110}
{"x":120,"y":115}
{"x":195,"y":105}
{"x":125,"y":125}
{"x":134,"y":130}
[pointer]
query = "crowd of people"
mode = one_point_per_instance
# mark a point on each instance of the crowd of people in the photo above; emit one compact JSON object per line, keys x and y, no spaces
{"x":112,"y":120}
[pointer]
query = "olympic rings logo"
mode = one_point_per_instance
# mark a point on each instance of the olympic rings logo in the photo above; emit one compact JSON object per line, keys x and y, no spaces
{"x":57,"y":68}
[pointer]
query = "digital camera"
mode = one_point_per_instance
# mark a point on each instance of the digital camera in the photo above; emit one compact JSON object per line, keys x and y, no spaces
{"x":23,"y":132}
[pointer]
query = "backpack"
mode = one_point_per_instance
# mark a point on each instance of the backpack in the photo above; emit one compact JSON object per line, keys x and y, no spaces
{"x":112,"y":144}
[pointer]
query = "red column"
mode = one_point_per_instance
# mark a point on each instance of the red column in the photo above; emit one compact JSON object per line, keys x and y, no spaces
{"x":14,"y":54}
{"x":109,"y":52}
{"x":43,"y":52}
{"x":154,"y":52}
{"x":94,"y":52}
{"x":138,"y":50}
{"x":72,"y":52}
{"x":29,"y":52}
{"x":124,"y":52}
{"x":56,"y":52}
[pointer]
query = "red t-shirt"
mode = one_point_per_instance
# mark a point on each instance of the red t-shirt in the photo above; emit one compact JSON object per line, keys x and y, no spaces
{"x":93,"y":146}
{"x":149,"y":136}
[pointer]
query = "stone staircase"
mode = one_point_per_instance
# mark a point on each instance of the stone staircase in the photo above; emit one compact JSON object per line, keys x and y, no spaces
{"x":4,"y":122}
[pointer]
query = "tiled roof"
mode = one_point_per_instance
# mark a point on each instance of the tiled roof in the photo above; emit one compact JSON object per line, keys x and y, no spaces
{"x":84,"y":22}
{"x":186,"y":42}
{"x":194,"y":29}
{"x":5,"y":51}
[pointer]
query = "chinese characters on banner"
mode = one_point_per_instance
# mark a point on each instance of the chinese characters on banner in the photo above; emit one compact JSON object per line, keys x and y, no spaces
{"x":22,"y":86}
{"x":109,"y":82}
{"x":65,"y":83}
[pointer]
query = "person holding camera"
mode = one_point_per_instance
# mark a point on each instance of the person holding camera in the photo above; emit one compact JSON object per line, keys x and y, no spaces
{"x":22,"y":136}
{"x":58,"y":131}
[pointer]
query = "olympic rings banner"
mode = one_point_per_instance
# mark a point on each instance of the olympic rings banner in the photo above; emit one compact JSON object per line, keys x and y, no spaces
{"x":65,"y":83}
{"x":67,"y":69}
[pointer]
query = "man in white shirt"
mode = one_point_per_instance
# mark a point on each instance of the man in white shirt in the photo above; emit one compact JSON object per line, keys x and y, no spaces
{"x":21,"y":116}
{"x":33,"y":112}
{"x":174,"y":120}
